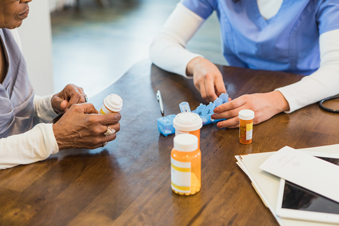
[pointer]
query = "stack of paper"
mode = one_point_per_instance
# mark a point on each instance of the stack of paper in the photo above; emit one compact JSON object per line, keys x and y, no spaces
{"x":267,"y":185}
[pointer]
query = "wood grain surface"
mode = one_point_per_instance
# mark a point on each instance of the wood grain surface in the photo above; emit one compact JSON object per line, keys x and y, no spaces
{"x":128,"y":181}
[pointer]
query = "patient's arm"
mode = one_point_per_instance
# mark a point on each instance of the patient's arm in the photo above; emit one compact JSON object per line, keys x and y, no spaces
{"x":43,"y":110}
{"x":35,"y":145}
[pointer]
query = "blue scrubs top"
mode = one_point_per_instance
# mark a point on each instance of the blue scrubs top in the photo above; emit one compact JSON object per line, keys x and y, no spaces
{"x":288,"y":42}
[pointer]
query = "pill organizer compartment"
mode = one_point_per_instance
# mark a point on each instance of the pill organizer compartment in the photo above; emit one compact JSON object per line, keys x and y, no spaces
{"x":165,"y":124}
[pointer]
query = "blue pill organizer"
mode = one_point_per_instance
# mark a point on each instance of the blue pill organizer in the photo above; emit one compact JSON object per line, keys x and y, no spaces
{"x":165,"y":124}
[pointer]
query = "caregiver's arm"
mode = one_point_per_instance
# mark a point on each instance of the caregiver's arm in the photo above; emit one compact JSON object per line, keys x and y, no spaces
{"x":168,"y":52}
{"x":321,"y":84}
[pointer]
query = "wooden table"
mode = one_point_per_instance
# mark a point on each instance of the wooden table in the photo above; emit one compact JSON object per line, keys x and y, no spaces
{"x":128,"y":181}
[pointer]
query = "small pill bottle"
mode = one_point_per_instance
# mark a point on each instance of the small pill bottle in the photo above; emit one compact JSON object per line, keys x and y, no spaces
{"x":112,"y":104}
{"x":246,"y":126}
{"x":188,"y":122}
{"x":186,"y":165}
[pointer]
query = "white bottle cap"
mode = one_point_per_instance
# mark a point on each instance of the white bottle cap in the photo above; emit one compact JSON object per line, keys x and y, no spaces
{"x":113,"y":103}
{"x":246,"y":114}
{"x":187,"y":121}
{"x":186,"y":142}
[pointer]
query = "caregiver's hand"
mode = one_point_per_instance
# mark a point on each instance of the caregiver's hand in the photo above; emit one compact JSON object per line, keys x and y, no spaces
{"x":207,"y":78}
{"x":70,"y":95}
{"x":80,"y":127}
{"x":264,"y":105}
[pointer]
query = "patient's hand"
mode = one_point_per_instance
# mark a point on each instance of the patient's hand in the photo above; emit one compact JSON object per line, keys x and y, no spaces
{"x":70,"y":95}
{"x":207,"y":78}
{"x":264,"y":105}
{"x":81,"y":127}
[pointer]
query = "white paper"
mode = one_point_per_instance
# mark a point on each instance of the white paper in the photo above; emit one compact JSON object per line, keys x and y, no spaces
{"x":305,"y":170}
{"x":267,"y":185}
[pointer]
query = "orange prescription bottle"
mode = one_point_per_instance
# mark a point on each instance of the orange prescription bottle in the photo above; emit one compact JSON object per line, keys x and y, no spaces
{"x":186,"y":165}
{"x":188,"y":122}
{"x":112,"y":104}
{"x":246,"y":126}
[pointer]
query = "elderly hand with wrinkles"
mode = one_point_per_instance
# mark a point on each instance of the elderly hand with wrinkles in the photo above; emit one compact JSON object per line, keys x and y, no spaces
{"x":81,"y":126}
{"x":69,"y":96}
{"x":22,"y":140}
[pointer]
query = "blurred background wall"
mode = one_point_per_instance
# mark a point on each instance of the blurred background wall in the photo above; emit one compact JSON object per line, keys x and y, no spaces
{"x":36,"y":40}
{"x":96,"y":43}
{"x":59,"y":4}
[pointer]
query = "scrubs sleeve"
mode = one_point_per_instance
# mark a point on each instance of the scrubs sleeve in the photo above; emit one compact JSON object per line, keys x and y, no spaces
{"x":202,"y":8}
{"x":322,"y":83}
{"x":167,"y":50}
{"x":328,"y":15}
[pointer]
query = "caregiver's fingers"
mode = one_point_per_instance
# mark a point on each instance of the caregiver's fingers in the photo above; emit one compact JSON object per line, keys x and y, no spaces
{"x":236,"y":103}
{"x":210,"y":89}
{"x":229,"y":123}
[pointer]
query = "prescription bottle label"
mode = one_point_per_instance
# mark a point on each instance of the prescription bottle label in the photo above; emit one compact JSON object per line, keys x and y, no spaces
{"x":102,"y":112}
{"x":178,"y":132}
{"x":249,"y":131}
{"x":180,"y":176}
